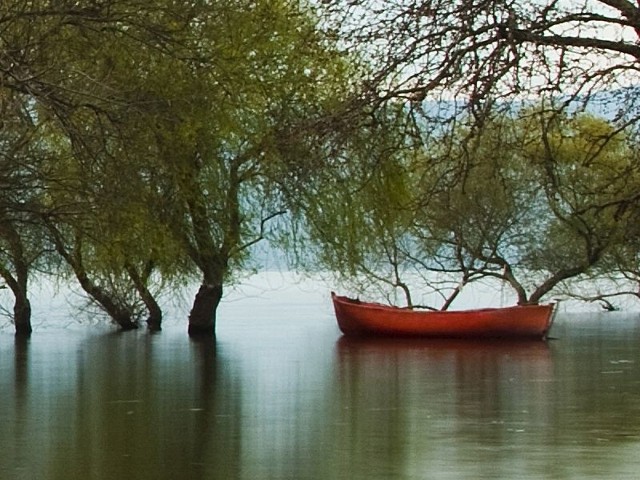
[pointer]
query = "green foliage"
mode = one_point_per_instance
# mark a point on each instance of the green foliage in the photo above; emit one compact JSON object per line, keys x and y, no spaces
{"x":560,"y":184}
{"x":170,"y":130}
{"x":356,"y":212}
{"x":158,"y":142}
{"x":530,"y":199}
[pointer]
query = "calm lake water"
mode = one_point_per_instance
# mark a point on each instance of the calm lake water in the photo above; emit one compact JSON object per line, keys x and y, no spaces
{"x":281,"y":395}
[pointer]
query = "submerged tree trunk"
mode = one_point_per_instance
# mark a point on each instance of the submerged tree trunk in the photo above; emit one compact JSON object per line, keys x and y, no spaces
{"x":154,"y":321}
{"x":120,"y":315}
{"x":21,"y":305}
{"x":202,"y":318}
{"x":17,"y":279}
{"x":22,"y":315}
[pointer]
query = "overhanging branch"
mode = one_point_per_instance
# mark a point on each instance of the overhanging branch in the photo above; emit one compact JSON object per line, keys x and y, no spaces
{"x":580,"y":42}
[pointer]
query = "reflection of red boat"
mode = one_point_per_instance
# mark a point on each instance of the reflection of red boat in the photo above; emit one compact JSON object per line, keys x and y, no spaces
{"x":356,"y":318}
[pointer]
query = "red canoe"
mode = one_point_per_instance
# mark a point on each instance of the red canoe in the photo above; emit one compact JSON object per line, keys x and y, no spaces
{"x":356,"y":318}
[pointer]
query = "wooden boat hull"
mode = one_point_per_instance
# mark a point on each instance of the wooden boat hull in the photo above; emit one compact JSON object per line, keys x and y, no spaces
{"x":356,"y":318}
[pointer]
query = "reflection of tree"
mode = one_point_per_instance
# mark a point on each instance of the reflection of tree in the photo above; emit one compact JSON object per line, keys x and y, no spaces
{"x":21,"y":363}
{"x":153,"y":407}
{"x":141,"y":410}
{"x":501,"y":389}
{"x":20,"y":392}
{"x":215,"y":442}
{"x":372,"y":411}
{"x":411,"y":401}
{"x":494,"y":409}
{"x":598,"y":365}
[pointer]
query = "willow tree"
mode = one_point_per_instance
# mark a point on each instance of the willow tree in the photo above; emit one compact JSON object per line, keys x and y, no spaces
{"x":479,"y":51}
{"x":198,"y":141}
{"x":401,"y":218}
{"x":540,"y":202}
{"x":22,"y":248}
{"x":618,"y":278}
{"x":76,"y":61}
{"x":23,"y":151}
{"x":96,"y":217}
{"x":174,"y":127}
{"x":531,"y":200}
{"x":220,"y":131}
{"x":590,"y":176}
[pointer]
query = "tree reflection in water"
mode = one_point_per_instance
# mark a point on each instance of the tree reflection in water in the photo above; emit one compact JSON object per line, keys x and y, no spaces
{"x":299,"y":401}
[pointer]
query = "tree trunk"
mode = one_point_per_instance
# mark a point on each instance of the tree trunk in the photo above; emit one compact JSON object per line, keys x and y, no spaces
{"x":202,"y":318}
{"x":154,"y":322}
{"x":108,"y":303}
{"x":119,"y":315}
{"x":21,"y":305}
{"x":22,"y":315}
{"x":17,"y":281}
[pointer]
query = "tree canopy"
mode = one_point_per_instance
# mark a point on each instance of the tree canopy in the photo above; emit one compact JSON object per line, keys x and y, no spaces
{"x":530,"y":200}
{"x":525,"y":116}
{"x":169,"y":129}
{"x":150,"y":145}
{"x":493,"y":49}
